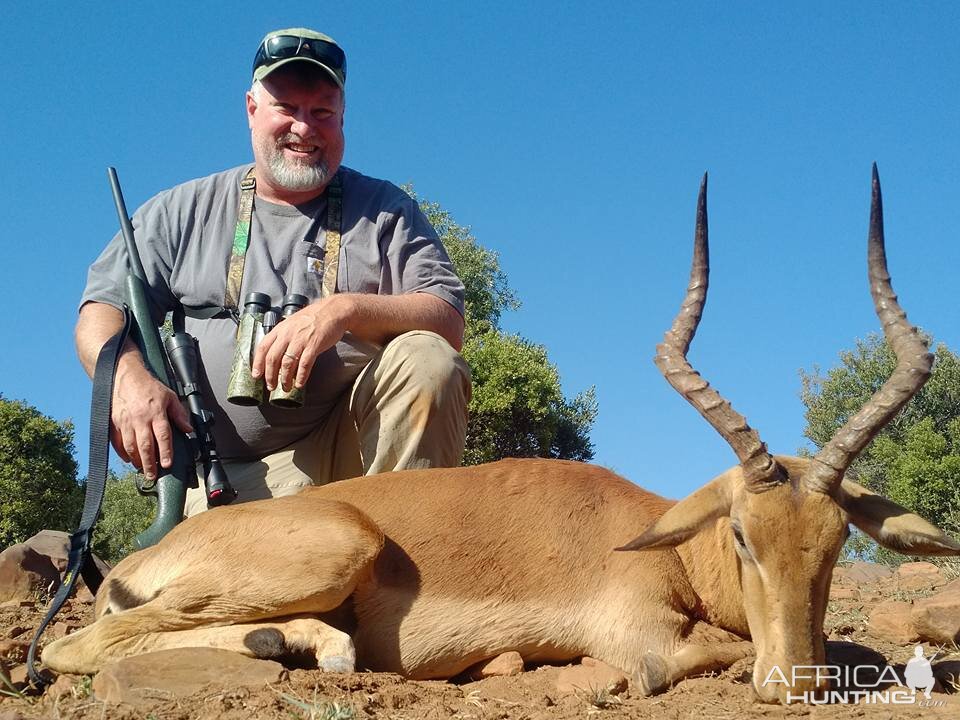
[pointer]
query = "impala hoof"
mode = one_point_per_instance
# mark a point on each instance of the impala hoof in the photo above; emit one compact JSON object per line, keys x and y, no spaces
{"x":652,"y":676}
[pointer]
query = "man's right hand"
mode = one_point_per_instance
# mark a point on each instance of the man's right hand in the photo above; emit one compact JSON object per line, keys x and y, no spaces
{"x":142,"y":405}
{"x":140,"y":418}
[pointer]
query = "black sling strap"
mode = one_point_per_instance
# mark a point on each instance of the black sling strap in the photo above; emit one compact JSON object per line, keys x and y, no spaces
{"x":80,"y":560}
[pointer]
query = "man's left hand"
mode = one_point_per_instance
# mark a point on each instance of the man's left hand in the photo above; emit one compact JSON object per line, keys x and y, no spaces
{"x":286,"y":355}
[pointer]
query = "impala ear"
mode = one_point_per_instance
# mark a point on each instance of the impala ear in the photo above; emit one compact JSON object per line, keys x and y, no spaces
{"x":688,"y":516}
{"x":891,"y":525}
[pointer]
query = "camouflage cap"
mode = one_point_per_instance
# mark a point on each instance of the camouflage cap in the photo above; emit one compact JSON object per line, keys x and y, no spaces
{"x":280,"y":47}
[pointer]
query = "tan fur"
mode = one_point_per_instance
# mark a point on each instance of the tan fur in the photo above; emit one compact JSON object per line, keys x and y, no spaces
{"x":447,"y":567}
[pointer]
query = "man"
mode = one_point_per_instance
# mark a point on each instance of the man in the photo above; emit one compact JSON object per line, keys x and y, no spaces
{"x":376,"y":348}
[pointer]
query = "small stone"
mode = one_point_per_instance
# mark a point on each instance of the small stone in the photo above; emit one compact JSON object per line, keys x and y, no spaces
{"x":169,"y":674}
{"x":62,"y":629}
{"x":844,"y":629}
{"x":891,"y":621}
{"x":14,"y":650}
{"x":918,"y":576}
{"x":861,"y":573}
{"x":63,"y":685}
{"x":16,"y":631}
{"x":19,"y":677}
{"x":591,"y":676}
{"x":504,"y":664}
{"x":11,"y":715}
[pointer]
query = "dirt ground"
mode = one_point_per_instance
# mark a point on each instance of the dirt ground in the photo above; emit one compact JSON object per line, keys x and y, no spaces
{"x":532,"y":694}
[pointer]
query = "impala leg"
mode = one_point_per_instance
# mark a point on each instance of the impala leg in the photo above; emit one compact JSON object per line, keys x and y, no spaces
{"x":658,"y":672}
{"x":284,"y":639}
{"x":289,"y":638}
{"x":309,"y":564}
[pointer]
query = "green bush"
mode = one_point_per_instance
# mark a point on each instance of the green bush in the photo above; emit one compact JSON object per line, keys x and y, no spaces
{"x":915,"y":460}
{"x":38,"y":475}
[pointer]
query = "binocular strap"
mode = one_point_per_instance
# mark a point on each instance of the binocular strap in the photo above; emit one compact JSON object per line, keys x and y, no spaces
{"x":334,"y":226}
{"x":80,"y":560}
{"x":241,"y":239}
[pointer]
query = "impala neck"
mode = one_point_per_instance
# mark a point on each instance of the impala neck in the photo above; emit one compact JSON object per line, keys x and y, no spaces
{"x":714,"y":572}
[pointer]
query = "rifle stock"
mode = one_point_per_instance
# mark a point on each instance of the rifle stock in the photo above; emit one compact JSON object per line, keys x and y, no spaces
{"x":171,"y":488}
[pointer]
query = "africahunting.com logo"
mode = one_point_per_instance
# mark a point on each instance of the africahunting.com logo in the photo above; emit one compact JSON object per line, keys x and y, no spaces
{"x":868,"y":684}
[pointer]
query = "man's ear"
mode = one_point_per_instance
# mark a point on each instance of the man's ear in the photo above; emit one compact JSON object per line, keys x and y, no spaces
{"x":891,"y":525}
{"x":251,"y":107}
{"x":688,"y":516}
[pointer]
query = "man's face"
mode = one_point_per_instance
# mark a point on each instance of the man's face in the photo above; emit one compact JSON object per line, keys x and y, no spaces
{"x":296,"y":125}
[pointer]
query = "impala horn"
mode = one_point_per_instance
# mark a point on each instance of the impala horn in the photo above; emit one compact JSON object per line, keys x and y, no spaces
{"x":914,"y":363}
{"x":760,"y":470}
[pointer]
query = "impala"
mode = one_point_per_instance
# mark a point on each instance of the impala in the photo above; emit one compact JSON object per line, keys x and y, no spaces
{"x":427,"y":572}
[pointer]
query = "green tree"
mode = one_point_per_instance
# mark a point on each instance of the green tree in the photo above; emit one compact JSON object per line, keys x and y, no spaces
{"x":518,"y":408}
{"x":38,"y":475}
{"x":125,"y":514}
{"x":915,"y":460}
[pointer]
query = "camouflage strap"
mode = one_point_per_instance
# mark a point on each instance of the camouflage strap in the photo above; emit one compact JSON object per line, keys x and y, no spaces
{"x":334,"y":224}
{"x":241,"y":239}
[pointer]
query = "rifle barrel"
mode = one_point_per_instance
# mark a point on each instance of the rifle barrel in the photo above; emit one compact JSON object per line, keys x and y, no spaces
{"x":126,"y":227}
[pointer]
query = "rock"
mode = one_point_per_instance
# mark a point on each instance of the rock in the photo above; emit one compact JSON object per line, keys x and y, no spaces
{"x":55,"y":544}
{"x":166,"y":674}
{"x":916,"y":576}
{"x":7,"y":604}
{"x":62,"y":629}
{"x":25,"y":574}
{"x":16,"y":631}
{"x":591,"y":676}
{"x":11,"y":715}
{"x":861,"y":573}
{"x":842,"y":593}
{"x":937,"y":618}
{"x":34,"y":567}
{"x":14,"y":650}
{"x":504,"y":664}
{"x":18,"y":676}
{"x":891,"y":621}
{"x":63,"y":685}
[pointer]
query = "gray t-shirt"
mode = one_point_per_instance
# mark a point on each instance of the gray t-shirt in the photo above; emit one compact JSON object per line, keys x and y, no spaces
{"x":185,"y":236}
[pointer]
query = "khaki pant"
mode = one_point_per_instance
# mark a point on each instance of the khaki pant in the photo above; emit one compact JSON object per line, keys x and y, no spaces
{"x":407,"y":409}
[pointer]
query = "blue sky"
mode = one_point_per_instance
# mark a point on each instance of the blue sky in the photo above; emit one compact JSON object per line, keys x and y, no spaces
{"x":571,"y":140}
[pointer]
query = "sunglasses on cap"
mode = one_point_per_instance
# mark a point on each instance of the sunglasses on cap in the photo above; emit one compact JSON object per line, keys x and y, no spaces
{"x":283,"y":47}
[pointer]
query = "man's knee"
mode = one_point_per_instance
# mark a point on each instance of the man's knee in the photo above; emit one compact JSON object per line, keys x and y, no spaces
{"x":424,"y":359}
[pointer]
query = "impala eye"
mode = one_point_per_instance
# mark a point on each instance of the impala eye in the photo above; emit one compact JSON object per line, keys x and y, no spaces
{"x":738,"y":536}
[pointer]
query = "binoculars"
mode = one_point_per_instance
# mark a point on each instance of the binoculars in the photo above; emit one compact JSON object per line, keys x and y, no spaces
{"x":256,"y":320}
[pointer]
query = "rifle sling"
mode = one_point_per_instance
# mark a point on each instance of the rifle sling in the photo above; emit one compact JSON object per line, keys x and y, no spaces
{"x":80,"y":559}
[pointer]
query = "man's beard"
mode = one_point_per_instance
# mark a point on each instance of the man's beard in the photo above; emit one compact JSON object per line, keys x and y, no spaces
{"x":293,"y":174}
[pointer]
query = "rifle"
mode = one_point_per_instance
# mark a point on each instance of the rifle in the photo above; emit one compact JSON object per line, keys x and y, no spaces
{"x":180,"y":373}
{"x":179,"y":370}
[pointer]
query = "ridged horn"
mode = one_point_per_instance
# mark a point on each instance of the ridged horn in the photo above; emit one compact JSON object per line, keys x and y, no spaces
{"x":760,"y":470}
{"x":914,"y":363}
